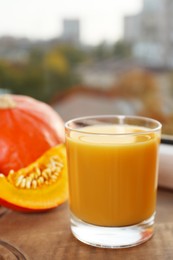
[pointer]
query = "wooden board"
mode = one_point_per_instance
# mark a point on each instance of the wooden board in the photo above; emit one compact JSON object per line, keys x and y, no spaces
{"x":47,"y":236}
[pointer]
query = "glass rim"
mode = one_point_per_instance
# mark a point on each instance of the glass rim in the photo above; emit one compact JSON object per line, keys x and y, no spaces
{"x":121,"y":117}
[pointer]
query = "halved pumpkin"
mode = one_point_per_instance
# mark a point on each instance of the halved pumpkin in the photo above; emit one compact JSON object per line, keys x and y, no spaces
{"x":40,"y":186}
{"x":28,"y":129}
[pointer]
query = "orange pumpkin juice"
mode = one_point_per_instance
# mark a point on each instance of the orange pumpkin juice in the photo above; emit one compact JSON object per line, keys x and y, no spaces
{"x":112,"y":178}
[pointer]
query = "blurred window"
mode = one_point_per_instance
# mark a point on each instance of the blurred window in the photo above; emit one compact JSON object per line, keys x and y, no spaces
{"x":85,"y":57}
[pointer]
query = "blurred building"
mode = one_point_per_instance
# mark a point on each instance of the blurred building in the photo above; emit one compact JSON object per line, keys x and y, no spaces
{"x":150,"y":33}
{"x":71,"y":30}
{"x":14,"y":49}
{"x":105,"y":74}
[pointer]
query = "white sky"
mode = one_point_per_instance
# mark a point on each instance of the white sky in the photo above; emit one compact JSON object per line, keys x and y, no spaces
{"x":100,"y":19}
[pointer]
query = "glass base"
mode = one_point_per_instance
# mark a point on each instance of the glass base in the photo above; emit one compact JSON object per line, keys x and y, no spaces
{"x":112,"y":237}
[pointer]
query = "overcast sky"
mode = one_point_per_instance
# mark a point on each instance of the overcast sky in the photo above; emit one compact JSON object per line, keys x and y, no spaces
{"x":100,"y":19}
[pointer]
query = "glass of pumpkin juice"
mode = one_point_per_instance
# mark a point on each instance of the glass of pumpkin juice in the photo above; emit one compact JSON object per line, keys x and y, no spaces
{"x":112,"y":173}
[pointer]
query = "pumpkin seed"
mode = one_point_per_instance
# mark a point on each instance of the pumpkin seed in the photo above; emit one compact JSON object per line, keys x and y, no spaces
{"x":19,"y":180}
{"x":53,"y":178}
{"x":32,"y":175}
{"x":23,"y":183}
{"x":11,"y":171}
{"x":37,"y":172}
{"x":34,"y":184}
{"x":40,"y":180}
{"x":28,"y":182}
{"x":45,"y":175}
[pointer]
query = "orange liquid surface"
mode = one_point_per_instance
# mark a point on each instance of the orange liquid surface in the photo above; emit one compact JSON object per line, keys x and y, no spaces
{"x":112,"y":179}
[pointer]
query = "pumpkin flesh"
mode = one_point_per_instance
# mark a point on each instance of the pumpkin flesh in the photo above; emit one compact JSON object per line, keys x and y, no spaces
{"x":43,"y":196}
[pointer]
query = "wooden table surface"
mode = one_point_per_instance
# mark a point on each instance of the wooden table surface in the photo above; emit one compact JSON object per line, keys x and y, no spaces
{"x":47,"y":236}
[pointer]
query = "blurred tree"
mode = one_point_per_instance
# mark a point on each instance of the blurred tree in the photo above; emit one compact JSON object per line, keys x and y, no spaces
{"x":105,"y":51}
{"x":33,"y":81}
{"x":121,"y":49}
{"x":73,"y":54}
{"x":36,"y":56}
{"x":102,"y":51}
{"x":56,"y":62}
{"x":59,"y":68}
{"x":10,"y":75}
{"x":44,"y":73}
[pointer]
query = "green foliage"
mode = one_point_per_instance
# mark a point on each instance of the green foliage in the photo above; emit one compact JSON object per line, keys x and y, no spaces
{"x":121,"y":49}
{"x":43,"y":74}
{"x":73,"y":54}
{"x":118,"y":50}
{"x":50,"y":70}
{"x":102,"y":51}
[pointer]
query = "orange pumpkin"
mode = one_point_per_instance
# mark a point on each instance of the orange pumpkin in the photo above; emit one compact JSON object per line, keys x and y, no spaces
{"x":33,"y":175}
{"x":28,"y":128}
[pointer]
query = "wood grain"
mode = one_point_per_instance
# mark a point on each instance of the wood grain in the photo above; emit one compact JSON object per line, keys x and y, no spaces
{"x":47,"y":236}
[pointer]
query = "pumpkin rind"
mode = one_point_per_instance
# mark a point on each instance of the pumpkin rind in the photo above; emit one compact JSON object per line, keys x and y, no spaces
{"x":41,"y":198}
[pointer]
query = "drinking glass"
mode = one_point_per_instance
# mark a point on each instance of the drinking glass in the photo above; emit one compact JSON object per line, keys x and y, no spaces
{"x":113,"y":172}
{"x":8,"y":251}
